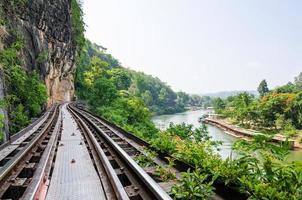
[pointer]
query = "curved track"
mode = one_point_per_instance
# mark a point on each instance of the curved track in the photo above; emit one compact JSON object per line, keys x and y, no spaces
{"x":23,"y":163}
{"x":127,"y":178}
{"x":133,"y":147}
{"x":37,"y":163}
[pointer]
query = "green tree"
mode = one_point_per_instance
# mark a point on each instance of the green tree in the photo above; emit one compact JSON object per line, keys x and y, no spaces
{"x":103,"y":93}
{"x":36,"y":94}
{"x":147,"y":97}
{"x":183,"y":130}
{"x":196,"y":100}
{"x":263,"y":88}
{"x":219,"y":105}
{"x":298,"y":81}
{"x":288,"y":88}
{"x":182,"y":98}
{"x":120,"y":78}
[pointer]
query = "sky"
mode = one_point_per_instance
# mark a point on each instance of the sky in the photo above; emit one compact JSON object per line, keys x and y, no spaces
{"x":202,"y":46}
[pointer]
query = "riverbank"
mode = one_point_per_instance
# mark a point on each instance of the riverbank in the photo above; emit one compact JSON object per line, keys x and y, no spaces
{"x":245,"y":134}
{"x":217,"y":133}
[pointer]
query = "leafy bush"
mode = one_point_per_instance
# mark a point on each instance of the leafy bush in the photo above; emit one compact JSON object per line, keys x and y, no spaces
{"x":146,"y":159}
{"x":166,"y":173}
{"x":165,"y":143}
{"x":260,"y":168}
{"x":194,"y":186}
{"x":266,"y":173}
{"x":183,"y":130}
{"x":19,"y":119}
{"x":26,"y":93}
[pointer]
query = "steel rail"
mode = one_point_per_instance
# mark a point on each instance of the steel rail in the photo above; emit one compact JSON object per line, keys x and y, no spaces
{"x":157,"y":191}
{"x":8,"y":170}
{"x":221,"y":190}
{"x":36,"y":122}
{"x":41,"y":174}
{"x":115,"y":182}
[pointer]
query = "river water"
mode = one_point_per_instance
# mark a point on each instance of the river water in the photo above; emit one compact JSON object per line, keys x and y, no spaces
{"x":191,"y":117}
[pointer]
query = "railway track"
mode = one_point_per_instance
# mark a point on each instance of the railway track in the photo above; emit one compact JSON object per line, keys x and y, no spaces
{"x":125,"y":167}
{"x":133,"y":147}
{"x":24,"y":163}
{"x":117,"y":155}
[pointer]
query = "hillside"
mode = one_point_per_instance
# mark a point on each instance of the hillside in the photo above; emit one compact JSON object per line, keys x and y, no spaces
{"x":226,"y":94}
{"x":155,"y":94}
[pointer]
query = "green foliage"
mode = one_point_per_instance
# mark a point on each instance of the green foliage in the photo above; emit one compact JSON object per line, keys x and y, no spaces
{"x":262,"y":88}
{"x":166,"y":173}
{"x":285,"y":125}
{"x":260,"y":169}
{"x":288,"y":88}
{"x":19,"y":119}
{"x":155,"y":94}
{"x":103,"y":93}
{"x":120,"y":78}
{"x":165,"y":143}
{"x":1,"y":127}
{"x":146,"y":159}
{"x":278,"y":112}
{"x":183,"y":130}
{"x":105,"y":89}
{"x":182,"y":99}
{"x":122,"y":96}
{"x":18,"y":2}
{"x":25,"y":89}
{"x":42,"y":57}
{"x":160,"y":98}
{"x":35,"y":96}
{"x":219,"y":105}
{"x":78,"y":26}
{"x":201,"y":134}
{"x":194,"y":186}
{"x":266,"y":174}
{"x":26,"y":93}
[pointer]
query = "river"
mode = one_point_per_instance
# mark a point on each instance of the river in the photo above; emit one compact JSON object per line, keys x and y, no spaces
{"x":191,"y":117}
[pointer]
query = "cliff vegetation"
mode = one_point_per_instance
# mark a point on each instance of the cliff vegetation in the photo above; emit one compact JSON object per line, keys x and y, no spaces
{"x":40,"y":44}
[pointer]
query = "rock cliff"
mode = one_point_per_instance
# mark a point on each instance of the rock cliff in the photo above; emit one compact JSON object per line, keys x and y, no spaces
{"x":46,"y":27}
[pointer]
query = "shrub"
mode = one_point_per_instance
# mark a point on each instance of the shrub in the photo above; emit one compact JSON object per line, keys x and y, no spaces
{"x":194,"y":186}
{"x":26,"y":93}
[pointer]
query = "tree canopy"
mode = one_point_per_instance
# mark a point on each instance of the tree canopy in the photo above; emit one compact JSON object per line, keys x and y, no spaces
{"x":278,"y":110}
{"x":263,"y":88}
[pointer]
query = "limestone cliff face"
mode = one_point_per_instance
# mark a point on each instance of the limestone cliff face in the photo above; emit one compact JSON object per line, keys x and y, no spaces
{"x":47,"y":31}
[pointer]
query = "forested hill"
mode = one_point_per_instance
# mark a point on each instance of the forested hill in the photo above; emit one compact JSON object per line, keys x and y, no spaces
{"x":226,"y":94}
{"x":98,"y":65}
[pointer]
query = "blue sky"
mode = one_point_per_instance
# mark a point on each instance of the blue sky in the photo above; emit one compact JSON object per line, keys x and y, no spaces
{"x":200,"y":46}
